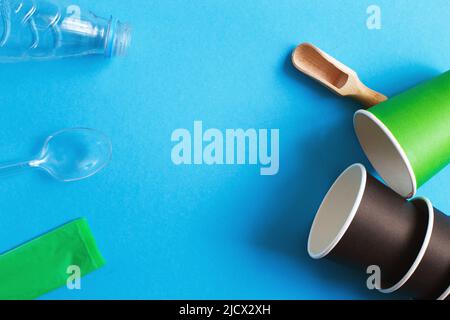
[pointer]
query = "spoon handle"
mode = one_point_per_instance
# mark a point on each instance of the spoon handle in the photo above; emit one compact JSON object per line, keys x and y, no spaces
{"x":8,"y":169}
{"x":368,"y":97}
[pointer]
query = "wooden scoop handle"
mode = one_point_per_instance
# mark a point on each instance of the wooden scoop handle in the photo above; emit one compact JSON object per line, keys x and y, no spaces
{"x":368,"y":97}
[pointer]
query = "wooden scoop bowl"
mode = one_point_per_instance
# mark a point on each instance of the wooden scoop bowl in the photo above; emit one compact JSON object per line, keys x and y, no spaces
{"x":333,"y":74}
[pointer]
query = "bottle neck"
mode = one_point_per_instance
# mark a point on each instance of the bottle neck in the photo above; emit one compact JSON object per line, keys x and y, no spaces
{"x":118,"y":39}
{"x":93,"y":35}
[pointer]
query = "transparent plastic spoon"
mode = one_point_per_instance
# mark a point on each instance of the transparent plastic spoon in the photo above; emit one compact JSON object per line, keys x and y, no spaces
{"x":69,"y":155}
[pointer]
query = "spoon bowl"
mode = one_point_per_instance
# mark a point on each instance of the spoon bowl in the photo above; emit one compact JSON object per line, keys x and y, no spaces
{"x":322,"y":67}
{"x":70,"y":155}
{"x":74,"y":154}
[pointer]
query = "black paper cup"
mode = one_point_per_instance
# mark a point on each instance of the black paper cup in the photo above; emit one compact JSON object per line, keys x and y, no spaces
{"x":430,"y":275}
{"x":363,"y":222}
{"x":427,"y":208}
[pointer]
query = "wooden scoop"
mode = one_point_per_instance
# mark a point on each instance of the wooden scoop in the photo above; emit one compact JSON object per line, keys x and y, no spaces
{"x":333,"y":74}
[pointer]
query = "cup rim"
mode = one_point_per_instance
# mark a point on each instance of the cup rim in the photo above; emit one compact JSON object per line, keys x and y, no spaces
{"x":444,"y":295}
{"x":396,"y":145}
{"x":422,"y":250}
{"x":350,"y":217}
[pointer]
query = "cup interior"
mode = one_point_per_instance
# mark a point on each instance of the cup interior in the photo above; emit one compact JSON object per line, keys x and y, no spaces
{"x":385,"y":153}
{"x":337,"y":211}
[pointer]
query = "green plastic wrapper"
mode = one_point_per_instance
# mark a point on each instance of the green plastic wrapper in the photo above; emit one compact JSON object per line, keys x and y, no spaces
{"x":41,"y":265}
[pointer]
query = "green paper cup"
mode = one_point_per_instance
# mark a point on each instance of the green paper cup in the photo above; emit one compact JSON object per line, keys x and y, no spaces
{"x":407,"y":138}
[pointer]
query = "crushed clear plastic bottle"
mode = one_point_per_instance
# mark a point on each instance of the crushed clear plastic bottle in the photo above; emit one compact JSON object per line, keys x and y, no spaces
{"x":46,"y":29}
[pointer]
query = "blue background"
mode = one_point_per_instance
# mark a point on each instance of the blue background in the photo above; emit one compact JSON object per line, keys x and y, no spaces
{"x":221,"y":231}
